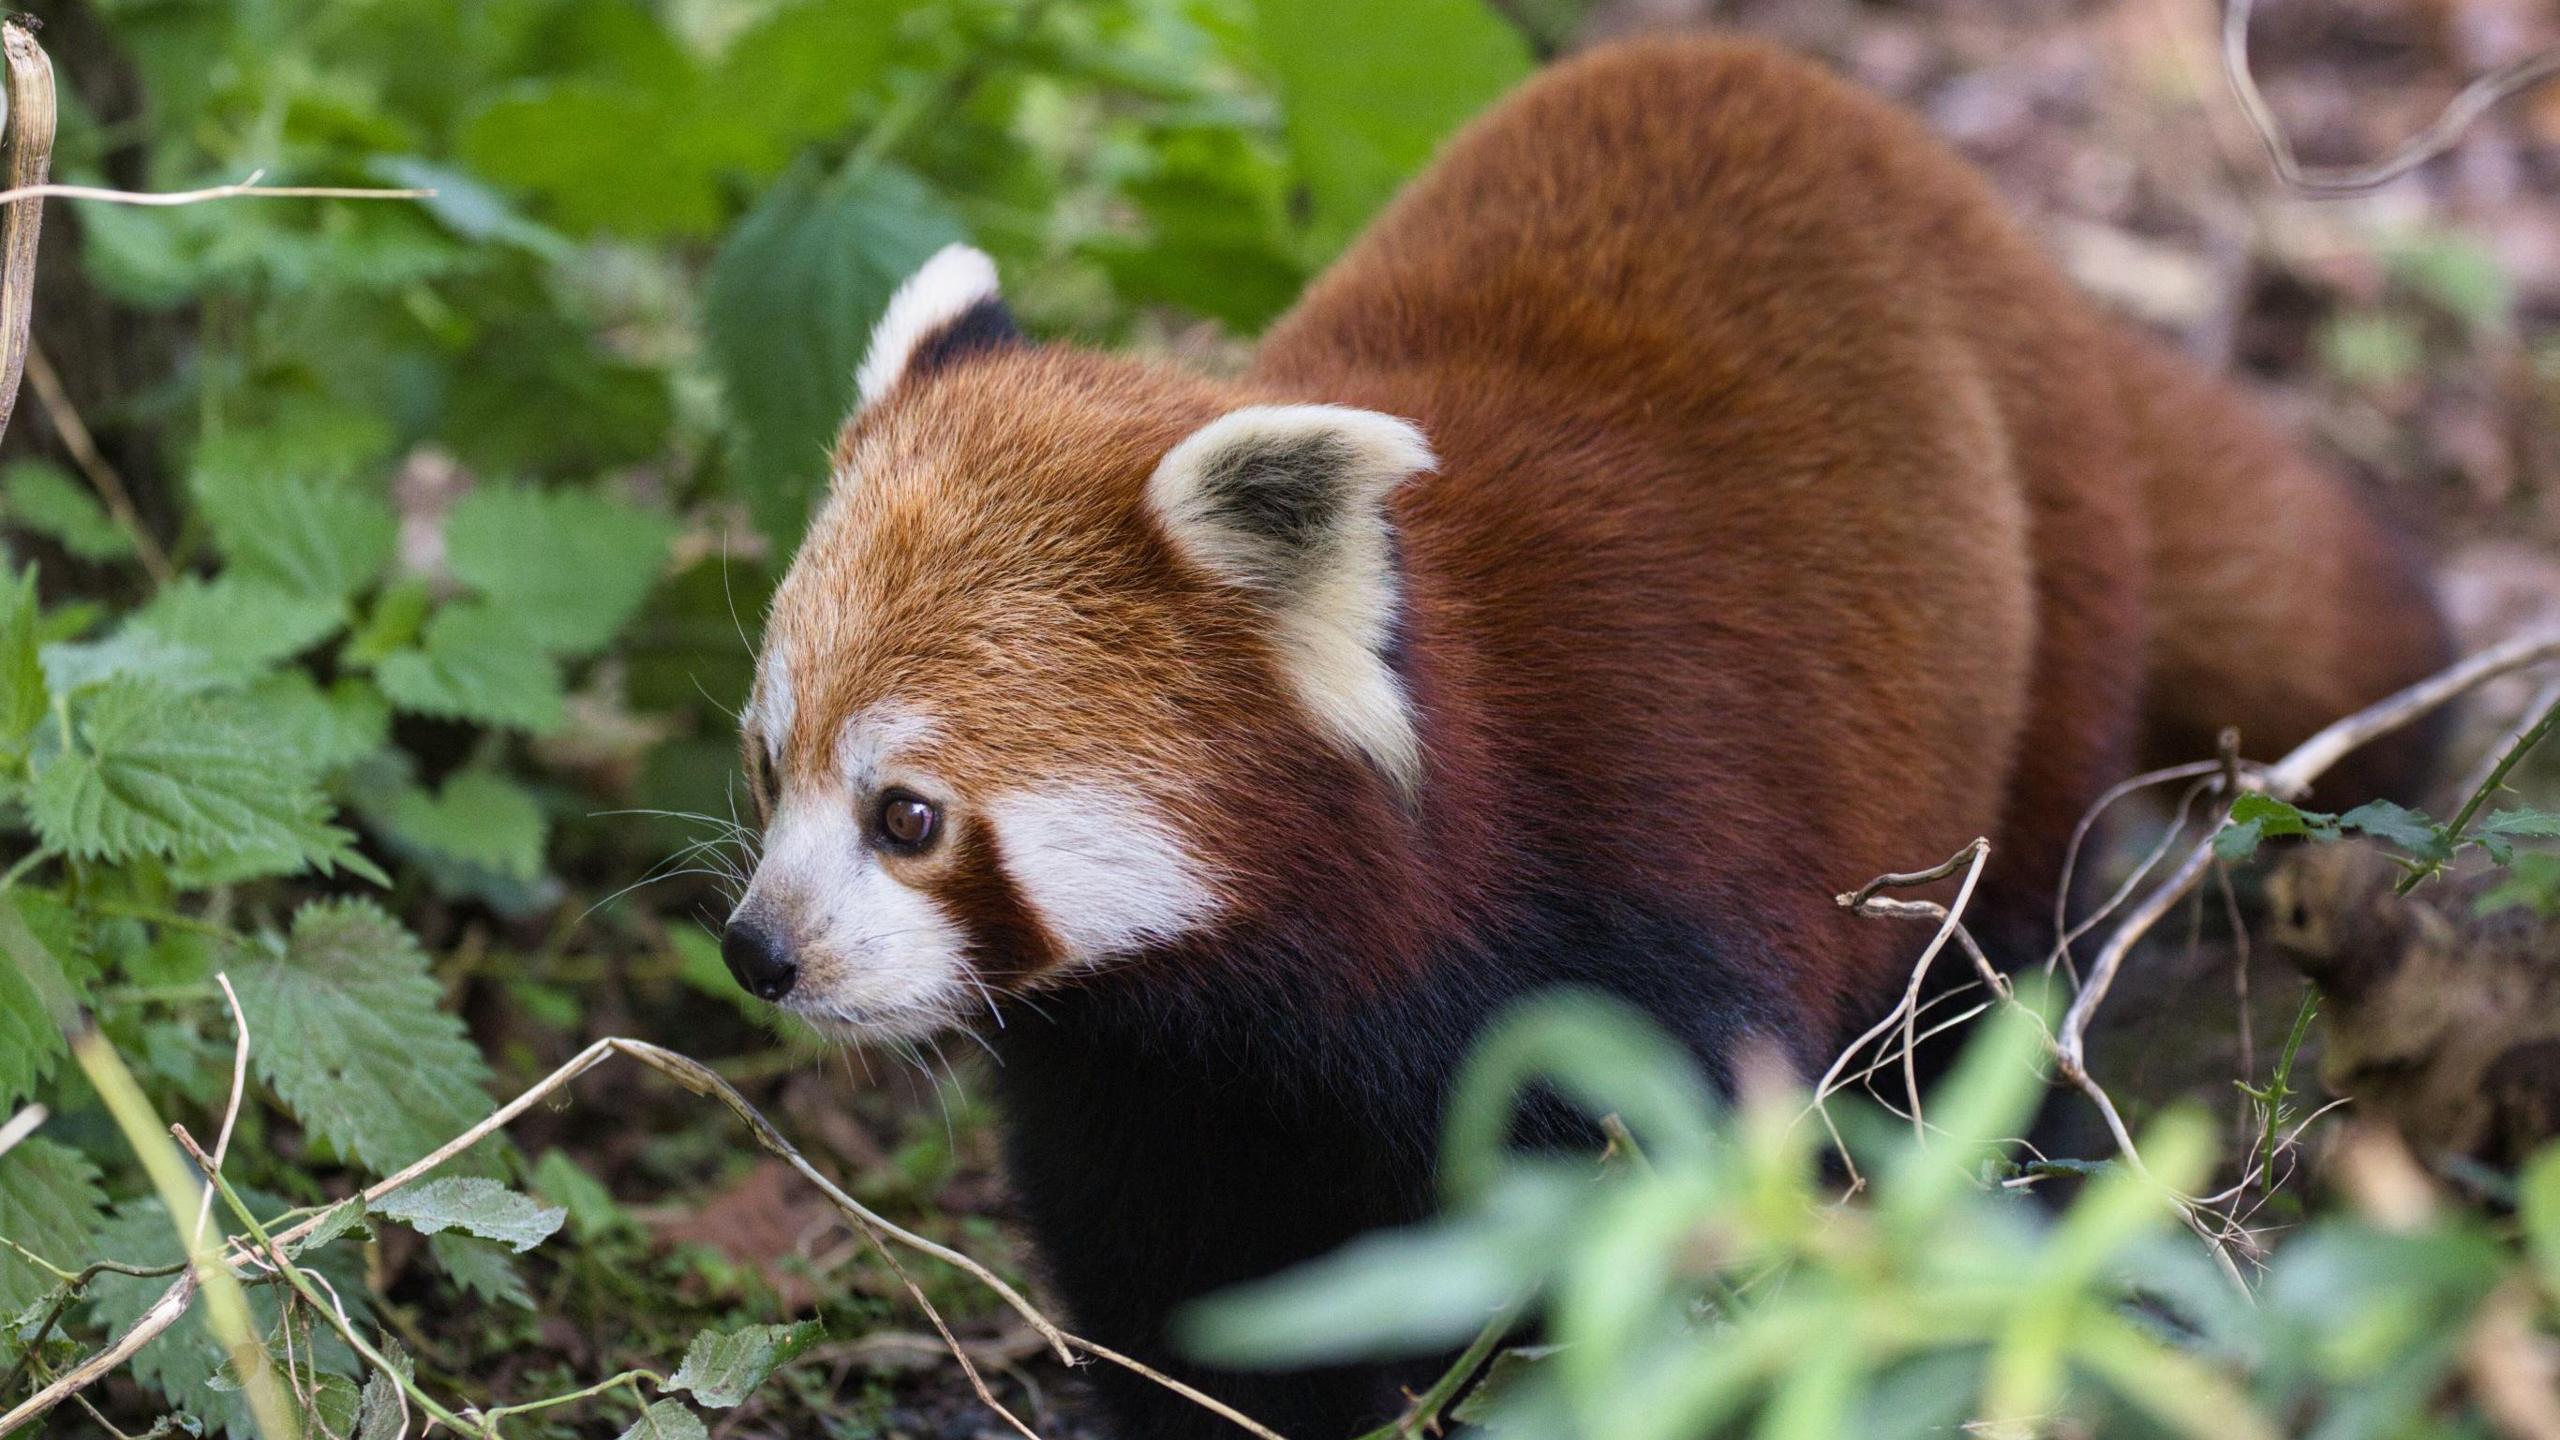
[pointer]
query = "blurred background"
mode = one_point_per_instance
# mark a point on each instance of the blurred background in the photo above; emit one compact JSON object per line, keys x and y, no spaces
{"x":480,"y":496}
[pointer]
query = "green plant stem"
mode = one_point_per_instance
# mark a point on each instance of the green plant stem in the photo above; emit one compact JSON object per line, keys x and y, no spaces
{"x":311,"y":1295}
{"x":70,"y":1288}
{"x":28,"y":862}
{"x":631,"y":1378}
{"x":2489,"y":786}
{"x":226,"y":1302}
{"x":1422,"y":1417}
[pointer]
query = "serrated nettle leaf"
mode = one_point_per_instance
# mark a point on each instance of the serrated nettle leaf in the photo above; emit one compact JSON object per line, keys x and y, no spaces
{"x":42,"y":497}
{"x":156,"y":773}
{"x":50,"y":1203}
{"x":183,"y":1361}
{"x":666,"y":1420}
{"x":336,"y":1223}
{"x":475,"y":663}
{"x":313,"y":538}
{"x":568,"y":566}
{"x":591,"y":1208}
{"x":478,"y":818}
{"x":45,"y":975}
{"x":2524,"y":823}
{"x":132,"y":653}
{"x":238,"y":627}
{"x":326,"y":729}
{"x":22,"y":686}
{"x":483,"y":1207}
{"x":2237,"y":842}
{"x":2275,"y":818}
{"x":788,"y":309}
{"x":483,"y":1267}
{"x":2400,"y":825}
{"x":351,"y":1037}
{"x":380,"y":1415}
{"x":722,"y":1369}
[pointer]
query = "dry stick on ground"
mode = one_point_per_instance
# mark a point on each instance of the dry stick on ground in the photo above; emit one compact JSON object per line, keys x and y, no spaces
{"x":2458,"y":115}
{"x":693,"y":1076}
{"x":29,"y":159}
{"x":2287,"y":779}
{"x":1905,"y":1015}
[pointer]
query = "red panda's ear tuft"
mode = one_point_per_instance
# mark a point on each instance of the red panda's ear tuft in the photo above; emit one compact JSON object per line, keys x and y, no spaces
{"x":1288,"y":502}
{"x":949,"y":309}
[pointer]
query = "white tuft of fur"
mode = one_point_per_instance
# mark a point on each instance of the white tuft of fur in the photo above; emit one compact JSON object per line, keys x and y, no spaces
{"x":1101,"y":868}
{"x":956,"y":278}
{"x":871,"y":740}
{"x":775,"y":704}
{"x":1336,"y":618}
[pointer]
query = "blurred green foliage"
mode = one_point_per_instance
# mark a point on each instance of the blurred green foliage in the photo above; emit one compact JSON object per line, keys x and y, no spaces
{"x":1711,"y":1282}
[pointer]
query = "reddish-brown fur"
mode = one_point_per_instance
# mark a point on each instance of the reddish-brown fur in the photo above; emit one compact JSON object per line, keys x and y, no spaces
{"x":1795,"y":522}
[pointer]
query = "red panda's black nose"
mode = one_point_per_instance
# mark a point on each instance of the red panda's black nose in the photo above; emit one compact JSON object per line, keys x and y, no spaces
{"x":759,"y":959}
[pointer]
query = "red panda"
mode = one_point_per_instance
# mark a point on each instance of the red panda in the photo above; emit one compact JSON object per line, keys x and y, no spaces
{"x":1691,"y":498}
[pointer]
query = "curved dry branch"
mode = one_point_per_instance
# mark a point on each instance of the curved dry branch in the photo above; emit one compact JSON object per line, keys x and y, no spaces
{"x":2459,"y":114}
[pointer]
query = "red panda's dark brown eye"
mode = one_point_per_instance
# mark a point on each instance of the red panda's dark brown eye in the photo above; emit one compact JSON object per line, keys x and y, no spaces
{"x":906,"y":822}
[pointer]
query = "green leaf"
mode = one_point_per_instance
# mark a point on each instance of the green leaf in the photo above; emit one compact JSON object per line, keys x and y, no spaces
{"x":483,"y":1207}
{"x":159,"y":774}
{"x":22,"y":687}
{"x":723,"y":1369}
{"x":309,"y":537}
{"x":50,"y":1203}
{"x":485,"y":1269}
{"x":788,"y":309}
{"x":479,"y":818}
{"x":185,"y":1362}
{"x":350,"y":1037}
{"x":568,"y":566}
{"x":1370,"y":90}
{"x":45,"y":973}
{"x":2264,"y":817}
{"x":324,"y":729}
{"x":2398,"y":824}
{"x":42,"y":497}
{"x":2524,"y":822}
{"x":799,"y":73}
{"x":2235,"y":843}
{"x":237,"y":627}
{"x":474,"y":663}
{"x":2538,"y":1206}
{"x":666,"y":1420}
{"x":379,"y":1412}
{"x":605,"y":157}
{"x":592,"y":1210}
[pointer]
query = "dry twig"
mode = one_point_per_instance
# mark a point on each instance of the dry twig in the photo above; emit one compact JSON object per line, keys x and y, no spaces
{"x":265,"y":1252}
{"x":2459,"y":114}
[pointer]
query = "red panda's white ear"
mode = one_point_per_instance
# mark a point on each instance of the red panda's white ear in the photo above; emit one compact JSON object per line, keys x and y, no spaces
{"x":1289,"y":502}
{"x":949,"y":308}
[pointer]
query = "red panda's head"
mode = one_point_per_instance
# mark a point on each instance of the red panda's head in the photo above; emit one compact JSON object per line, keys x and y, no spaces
{"x":1055,"y":608}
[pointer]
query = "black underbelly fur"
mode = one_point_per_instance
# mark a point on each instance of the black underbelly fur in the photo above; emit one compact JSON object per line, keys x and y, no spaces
{"x":1170,"y":1136}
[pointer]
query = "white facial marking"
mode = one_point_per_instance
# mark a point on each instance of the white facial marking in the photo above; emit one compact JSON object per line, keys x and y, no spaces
{"x":878,"y":957}
{"x":956,"y":278}
{"x":775,"y":704}
{"x":871,"y":741}
{"x":1100,"y":867}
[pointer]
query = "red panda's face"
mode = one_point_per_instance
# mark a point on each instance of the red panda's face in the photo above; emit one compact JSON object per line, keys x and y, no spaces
{"x":1003,"y":687}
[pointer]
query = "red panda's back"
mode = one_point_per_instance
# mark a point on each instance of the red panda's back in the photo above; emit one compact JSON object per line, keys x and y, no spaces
{"x":1782,"y":516}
